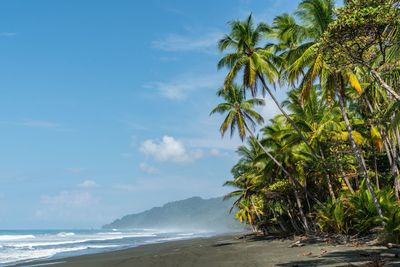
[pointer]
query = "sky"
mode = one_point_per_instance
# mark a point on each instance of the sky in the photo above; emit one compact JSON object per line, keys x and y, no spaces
{"x":104,"y":106}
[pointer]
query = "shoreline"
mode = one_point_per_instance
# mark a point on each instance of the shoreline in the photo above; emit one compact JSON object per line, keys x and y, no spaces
{"x":228,"y":250}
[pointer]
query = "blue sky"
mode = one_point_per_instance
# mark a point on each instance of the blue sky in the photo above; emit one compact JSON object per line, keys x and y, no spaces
{"x":104,"y":106}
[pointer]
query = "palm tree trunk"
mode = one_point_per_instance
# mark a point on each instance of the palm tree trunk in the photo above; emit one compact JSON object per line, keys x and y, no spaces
{"x":398,"y":137}
{"x":328,"y":179}
{"x":346,"y":180}
{"x":292,"y":221}
{"x":278,"y":219}
{"x":395,"y":169}
{"x":344,"y":177}
{"x":303,"y":138}
{"x":291,"y":179}
{"x":376,"y":169}
{"x":385,"y":86}
{"x":391,"y":155}
{"x":294,"y":125}
{"x":357,"y":153}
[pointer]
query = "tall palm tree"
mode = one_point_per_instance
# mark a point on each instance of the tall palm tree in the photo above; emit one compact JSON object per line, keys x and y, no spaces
{"x":255,"y":62}
{"x":242,"y":116}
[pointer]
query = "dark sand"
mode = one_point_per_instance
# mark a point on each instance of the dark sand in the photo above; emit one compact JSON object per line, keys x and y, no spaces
{"x":229,"y":251}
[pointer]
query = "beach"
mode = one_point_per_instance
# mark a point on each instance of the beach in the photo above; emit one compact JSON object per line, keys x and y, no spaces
{"x":231,"y":250}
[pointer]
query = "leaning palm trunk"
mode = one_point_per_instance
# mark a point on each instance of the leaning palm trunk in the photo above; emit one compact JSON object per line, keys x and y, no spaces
{"x":296,"y":128}
{"x":384,"y":85}
{"x":393,"y":165}
{"x":292,"y":180}
{"x":398,"y":137}
{"x":346,"y":180}
{"x":328,"y":179}
{"x":376,"y":169}
{"x":357,"y":153}
{"x":395,"y":169}
{"x":390,"y":150}
{"x":293,"y":124}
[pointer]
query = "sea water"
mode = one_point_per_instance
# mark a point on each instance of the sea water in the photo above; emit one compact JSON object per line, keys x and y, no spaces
{"x":22,"y":246}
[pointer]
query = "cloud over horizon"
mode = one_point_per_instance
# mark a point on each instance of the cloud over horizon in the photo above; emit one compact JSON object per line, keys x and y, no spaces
{"x":88,"y":184}
{"x":169,"y":149}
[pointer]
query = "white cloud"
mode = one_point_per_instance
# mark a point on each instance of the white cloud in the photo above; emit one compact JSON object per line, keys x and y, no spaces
{"x":180,"y":87}
{"x":169,"y":149}
{"x":175,"y":42}
{"x":88,"y":184}
{"x":147,"y":168}
{"x":69,"y":199}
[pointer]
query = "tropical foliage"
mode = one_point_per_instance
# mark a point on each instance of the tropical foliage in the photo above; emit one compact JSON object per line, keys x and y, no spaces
{"x":330,"y":161}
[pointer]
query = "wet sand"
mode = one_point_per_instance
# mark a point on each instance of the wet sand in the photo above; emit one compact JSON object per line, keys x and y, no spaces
{"x":228,"y":250}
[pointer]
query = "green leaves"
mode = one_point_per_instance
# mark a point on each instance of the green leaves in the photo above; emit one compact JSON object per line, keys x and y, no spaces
{"x":247,"y":57}
{"x":356,"y":214}
{"x":240,"y":112}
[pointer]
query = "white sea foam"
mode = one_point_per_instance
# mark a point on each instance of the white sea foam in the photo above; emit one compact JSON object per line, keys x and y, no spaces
{"x":65,"y":234}
{"x":30,"y":245}
{"x":42,"y":245}
{"x":23,"y":255}
{"x":15,"y":237}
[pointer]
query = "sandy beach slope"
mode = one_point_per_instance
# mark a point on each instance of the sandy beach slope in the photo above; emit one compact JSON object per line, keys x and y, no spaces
{"x":228,"y":250}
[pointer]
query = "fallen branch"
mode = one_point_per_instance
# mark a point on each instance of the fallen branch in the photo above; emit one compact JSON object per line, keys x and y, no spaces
{"x":392,"y":245}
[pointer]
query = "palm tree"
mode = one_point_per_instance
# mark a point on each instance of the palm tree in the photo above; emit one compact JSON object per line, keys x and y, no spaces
{"x":243,"y":117}
{"x":256,"y":63}
{"x":247,"y":179}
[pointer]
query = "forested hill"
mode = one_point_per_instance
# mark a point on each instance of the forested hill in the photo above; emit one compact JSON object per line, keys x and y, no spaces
{"x":190,"y":214}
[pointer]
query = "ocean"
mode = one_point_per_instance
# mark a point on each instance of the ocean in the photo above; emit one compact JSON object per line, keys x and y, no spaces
{"x":23,"y":246}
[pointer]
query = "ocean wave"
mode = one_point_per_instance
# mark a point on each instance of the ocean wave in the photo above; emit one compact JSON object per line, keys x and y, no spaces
{"x":110,"y":233}
{"x":21,"y":255}
{"x":30,"y":245}
{"x":15,"y":237}
{"x":65,"y":234}
{"x":186,"y":234}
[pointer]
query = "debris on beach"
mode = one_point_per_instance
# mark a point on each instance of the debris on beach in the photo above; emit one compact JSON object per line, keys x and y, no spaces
{"x":297,"y":244}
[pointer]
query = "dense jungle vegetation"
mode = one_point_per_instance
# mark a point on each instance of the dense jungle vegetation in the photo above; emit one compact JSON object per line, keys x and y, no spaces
{"x":330,"y":161}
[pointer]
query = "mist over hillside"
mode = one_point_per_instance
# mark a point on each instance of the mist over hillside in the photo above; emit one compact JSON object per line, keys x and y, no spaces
{"x":189,"y":215}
